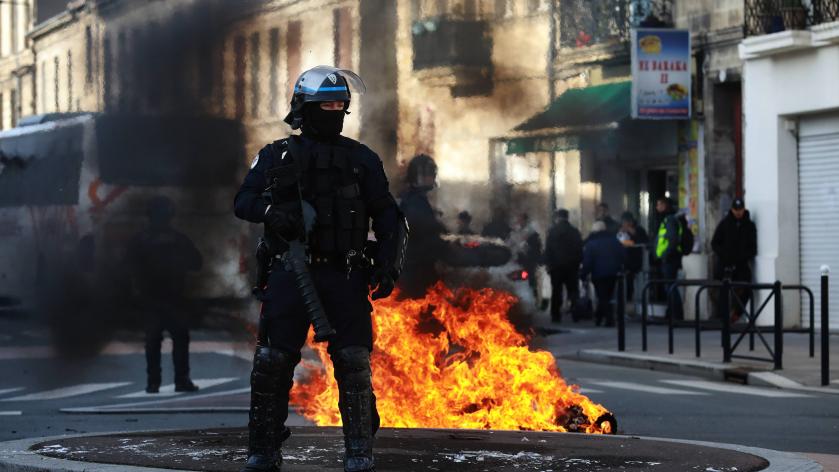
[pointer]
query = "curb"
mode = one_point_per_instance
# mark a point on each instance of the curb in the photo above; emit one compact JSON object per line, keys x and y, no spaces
{"x":703,"y":369}
{"x":15,"y":456}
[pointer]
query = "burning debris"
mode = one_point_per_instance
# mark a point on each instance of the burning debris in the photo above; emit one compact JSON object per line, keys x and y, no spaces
{"x":472,"y":371}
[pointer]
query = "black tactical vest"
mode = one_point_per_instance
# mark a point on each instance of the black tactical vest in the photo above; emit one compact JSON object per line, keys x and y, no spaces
{"x":330,"y":179}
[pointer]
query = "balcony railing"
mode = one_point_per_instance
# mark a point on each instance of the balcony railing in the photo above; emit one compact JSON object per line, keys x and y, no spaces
{"x":772,"y":16}
{"x":590,"y":22}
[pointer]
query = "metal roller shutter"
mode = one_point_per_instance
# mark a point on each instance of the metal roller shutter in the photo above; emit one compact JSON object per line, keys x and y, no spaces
{"x":818,"y":203}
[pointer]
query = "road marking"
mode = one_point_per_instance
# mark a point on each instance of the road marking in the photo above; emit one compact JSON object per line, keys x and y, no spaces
{"x":64,"y":392}
{"x":646,"y":388}
{"x":587,"y":391}
{"x":11,"y":413}
{"x":10,"y":390}
{"x":735,"y":388}
{"x":169,"y":390}
{"x":158,"y":405}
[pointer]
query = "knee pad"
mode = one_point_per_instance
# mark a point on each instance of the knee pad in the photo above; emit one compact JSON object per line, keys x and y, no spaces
{"x":269,"y":365}
{"x":352,"y":367}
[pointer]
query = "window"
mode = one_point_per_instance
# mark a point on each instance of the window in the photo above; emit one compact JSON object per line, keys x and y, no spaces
{"x":293,"y":46}
{"x":342,"y":37}
{"x":69,"y":80}
{"x":88,"y":53}
{"x":239,"y":47}
{"x":14,"y":106}
{"x":43,"y":87}
{"x":255,"y":79}
{"x":55,"y":84}
{"x":106,"y":72}
{"x":273,"y":89}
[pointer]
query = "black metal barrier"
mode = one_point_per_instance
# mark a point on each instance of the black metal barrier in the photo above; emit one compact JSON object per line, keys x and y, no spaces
{"x":724,"y":304}
{"x":825,"y":327}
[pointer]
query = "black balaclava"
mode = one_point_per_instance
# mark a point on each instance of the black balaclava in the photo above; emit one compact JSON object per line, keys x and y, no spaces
{"x":322,"y":124}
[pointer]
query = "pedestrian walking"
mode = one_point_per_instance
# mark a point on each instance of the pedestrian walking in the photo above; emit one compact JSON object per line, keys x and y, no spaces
{"x":563,"y":255}
{"x":636,"y":240}
{"x":602,"y":214}
{"x":159,"y":258}
{"x":668,"y":252}
{"x":603,"y":258}
{"x":735,"y":246}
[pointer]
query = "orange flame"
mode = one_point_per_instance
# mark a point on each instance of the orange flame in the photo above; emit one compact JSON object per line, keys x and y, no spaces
{"x":453,"y":360}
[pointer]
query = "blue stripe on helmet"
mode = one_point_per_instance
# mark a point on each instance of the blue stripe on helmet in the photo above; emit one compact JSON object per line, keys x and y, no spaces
{"x":323,"y":89}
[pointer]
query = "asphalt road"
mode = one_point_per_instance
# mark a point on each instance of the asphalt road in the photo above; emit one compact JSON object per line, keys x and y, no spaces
{"x":35,"y":388}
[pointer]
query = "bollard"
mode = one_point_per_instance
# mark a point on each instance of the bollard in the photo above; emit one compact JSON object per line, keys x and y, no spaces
{"x":726,"y":320}
{"x":670,"y":311}
{"x":825,"y":327}
{"x":621,"y":313}
{"x":779,"y":326}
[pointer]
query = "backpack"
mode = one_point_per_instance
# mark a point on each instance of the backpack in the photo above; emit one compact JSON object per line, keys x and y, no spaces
{"x":686,"y":239}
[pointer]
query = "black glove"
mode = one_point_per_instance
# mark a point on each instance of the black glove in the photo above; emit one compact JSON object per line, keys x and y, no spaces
{"x":383,"y":283}
{"x":282,"y":222}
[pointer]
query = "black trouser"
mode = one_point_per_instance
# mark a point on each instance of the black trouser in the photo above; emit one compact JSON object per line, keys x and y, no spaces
{"x":737,"y":273}
{"x":567,"y":277}
{"x":285,"y":325}
{"x":670,"y":271}
{"x":171,"y":317}
{"x":604,"y":287}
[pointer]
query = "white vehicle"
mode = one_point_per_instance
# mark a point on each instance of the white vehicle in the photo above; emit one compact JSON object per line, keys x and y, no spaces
{"x":74,"y":188}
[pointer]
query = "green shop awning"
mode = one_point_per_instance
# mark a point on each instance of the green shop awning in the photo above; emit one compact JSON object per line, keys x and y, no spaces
{"x":584,"y":107}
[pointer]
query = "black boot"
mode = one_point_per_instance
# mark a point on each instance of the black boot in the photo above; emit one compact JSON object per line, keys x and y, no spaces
{"x":270,"y":381}
{"x":357,"y":406}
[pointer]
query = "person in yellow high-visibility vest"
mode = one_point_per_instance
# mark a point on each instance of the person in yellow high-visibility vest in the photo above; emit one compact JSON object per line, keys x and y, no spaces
{"x":668,"y":252}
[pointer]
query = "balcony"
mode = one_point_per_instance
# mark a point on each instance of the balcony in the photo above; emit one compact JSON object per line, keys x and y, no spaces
{"x":773,"y":16}
{"x":454,"y":53}
{"x":586,"y":23}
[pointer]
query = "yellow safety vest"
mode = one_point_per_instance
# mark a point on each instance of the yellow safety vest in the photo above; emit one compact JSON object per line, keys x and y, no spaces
{"x":663,"y":243}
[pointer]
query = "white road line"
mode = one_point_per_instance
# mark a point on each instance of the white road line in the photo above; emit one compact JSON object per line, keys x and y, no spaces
{"x":169,"y":390}
{"x":64,"y":392}
{"x":10,"y":390}
{"x":11,"y":413}
{"x":646,"y":388}
{"x":735,"y":388}
{"x":586,"y":391}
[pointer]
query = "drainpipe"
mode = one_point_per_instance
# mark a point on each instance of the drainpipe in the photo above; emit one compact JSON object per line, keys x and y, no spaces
{"x":552,"y":28}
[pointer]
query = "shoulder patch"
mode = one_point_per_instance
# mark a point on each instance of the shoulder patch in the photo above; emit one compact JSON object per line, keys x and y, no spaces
{"x":255,"y":161}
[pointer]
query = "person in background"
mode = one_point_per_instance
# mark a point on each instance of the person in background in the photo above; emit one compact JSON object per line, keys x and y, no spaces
{"x":464,"y":221}
{"x":668,"y":253}
{"x":735,"y":246}
{"x":497,"y":227}
{"x":634,"y":238}
{"x":425,"y":246}
{"x":159,"y":258}
{"x":603,"y":215}
{"x":526,"y":245}
{"x":603,"y":257}
{"x":563,"y":254}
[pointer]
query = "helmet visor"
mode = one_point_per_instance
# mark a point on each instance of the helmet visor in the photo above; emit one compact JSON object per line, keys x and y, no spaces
{"x":311,"y":82}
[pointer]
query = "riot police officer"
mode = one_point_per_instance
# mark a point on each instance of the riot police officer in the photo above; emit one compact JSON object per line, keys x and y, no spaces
{"x":426,"y":247}
{"x":344,"y":182}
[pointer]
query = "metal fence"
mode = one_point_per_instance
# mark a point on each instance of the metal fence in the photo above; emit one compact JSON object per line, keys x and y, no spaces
{"x":772,"y":16}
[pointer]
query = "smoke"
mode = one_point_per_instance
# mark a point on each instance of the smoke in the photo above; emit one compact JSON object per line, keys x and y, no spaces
{"x":163,"y":130}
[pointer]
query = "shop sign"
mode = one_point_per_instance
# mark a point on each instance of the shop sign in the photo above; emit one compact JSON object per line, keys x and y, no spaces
{"x":661,"y":82}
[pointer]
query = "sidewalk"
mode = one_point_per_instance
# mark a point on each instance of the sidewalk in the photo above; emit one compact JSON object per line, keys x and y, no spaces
{"x":583,"y":341}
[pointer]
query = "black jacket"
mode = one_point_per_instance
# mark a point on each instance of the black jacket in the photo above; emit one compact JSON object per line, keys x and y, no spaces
{"x":735,"y":241}
{"x":563,"y":247}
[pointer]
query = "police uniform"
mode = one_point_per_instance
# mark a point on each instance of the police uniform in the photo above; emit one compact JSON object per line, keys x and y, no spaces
{"x":344,"y":182}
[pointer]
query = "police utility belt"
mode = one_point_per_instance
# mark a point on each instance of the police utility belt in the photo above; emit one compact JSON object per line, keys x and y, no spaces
{"x":351,"y":260}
